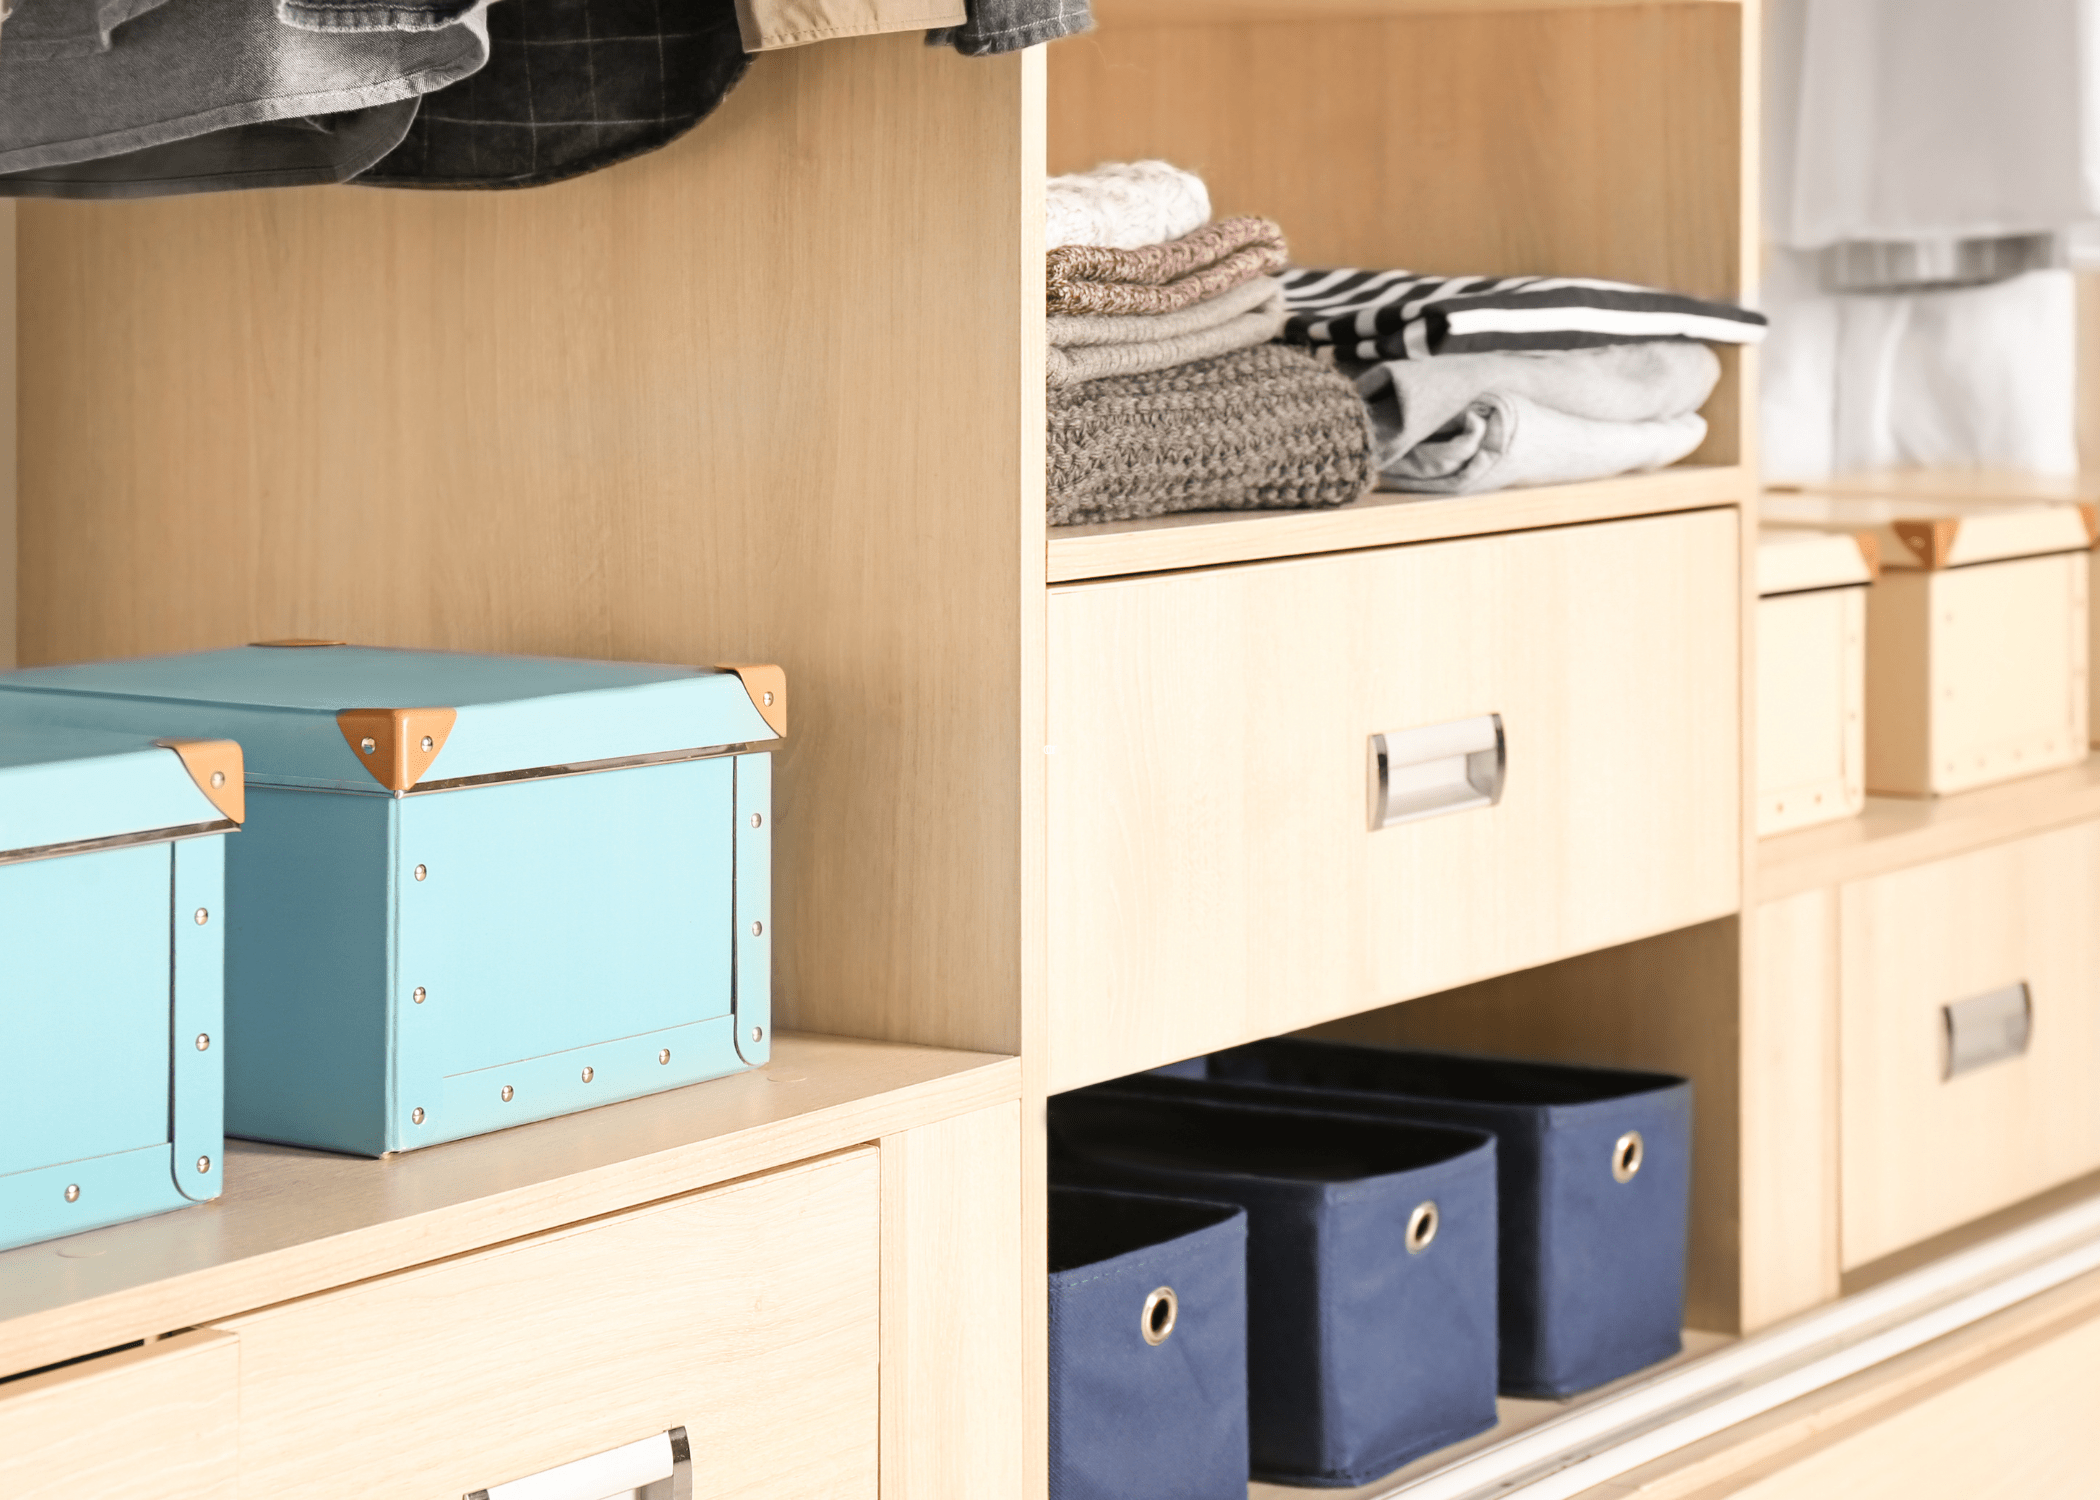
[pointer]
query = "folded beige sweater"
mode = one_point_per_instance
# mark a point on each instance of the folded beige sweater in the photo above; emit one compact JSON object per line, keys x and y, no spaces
{"x":1096,"y":347}
{"x":1167,"y":277}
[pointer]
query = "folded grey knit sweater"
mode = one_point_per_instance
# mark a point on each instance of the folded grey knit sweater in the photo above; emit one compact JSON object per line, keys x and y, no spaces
{"x":1262,"y":428}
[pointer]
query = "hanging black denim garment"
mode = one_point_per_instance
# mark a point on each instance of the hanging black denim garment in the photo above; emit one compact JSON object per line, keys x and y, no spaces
{"x":571,"y":86}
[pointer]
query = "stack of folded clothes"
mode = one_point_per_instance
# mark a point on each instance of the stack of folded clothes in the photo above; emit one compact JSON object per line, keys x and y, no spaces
{"x":1167,"y":391}
{"x":1479,"y":383}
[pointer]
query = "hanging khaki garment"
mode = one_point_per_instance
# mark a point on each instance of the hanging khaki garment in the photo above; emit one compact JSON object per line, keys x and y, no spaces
{"x":768,"y":25}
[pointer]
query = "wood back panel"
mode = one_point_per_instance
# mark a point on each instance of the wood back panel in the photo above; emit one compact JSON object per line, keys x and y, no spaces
{"x":764,"y":395}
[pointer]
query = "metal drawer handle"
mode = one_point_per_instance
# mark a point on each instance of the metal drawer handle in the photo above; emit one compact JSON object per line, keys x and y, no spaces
{"x":1437,"y":769}
{"x":1988,"y":1028}
{"x":1162,"y":1308}
{"x":656,"y":1468}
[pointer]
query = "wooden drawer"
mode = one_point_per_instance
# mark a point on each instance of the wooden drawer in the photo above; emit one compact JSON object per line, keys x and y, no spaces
{"x":157,"y":1423}
{"x":748,"y":1314}
{"x":1213,"y":873}
{"x":1923,"y":1152}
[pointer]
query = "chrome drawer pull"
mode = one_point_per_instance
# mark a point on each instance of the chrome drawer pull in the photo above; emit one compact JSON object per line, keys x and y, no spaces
{"x":656,"y":1468}
{"x":1987,"y":1029}
{"x":1437,"y":769}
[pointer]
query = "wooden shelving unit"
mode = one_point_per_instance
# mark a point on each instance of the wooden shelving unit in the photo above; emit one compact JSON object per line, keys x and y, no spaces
{"x":775,"y":393}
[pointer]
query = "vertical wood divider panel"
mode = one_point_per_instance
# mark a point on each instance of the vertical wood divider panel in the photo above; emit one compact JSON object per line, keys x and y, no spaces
{"x":1790,"y":1109}
{"x":10,"y":375}
{"x":953,"y":1382}
{"x":1667,"y":1003}
{"x":1034,"y":1261}
{"x":763,"y":395}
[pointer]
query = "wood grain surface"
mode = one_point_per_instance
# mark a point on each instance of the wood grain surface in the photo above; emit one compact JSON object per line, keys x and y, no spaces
{"x":768,"y":394}
{"x":748,"y":1314}
{"x":155,"y":1423}
{"x":296,"y":1222}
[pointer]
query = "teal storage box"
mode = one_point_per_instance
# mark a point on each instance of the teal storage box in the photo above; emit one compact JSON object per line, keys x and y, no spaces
{"x":112,"y":861}
{"x":471,"y":891}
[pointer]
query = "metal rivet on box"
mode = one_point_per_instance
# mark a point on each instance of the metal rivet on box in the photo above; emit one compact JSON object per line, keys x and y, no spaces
{"x":758,"y":1033}
{"x":419,"y":994}
{"x":416,"y":1114}
{"x":769,"y":700}
{"x":758,"y":820}
{"x":203,"y":1041}
{"x":589,"y":1074}
{"x":368,"y":744}
{"x":664,"y":1056}
{"x":204,"y":1164}
{"x":422,"y":871}
{"x":428,"y":742}
{"x":508,"y":1092}
{"x":72,"y":1192}
{"x":203,"y":916}
{"x":218,"y":778}
{"x":758,"y":929}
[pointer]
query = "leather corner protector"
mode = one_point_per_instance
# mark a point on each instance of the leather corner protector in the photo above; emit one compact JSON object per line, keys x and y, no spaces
{"x":768,"y":687}
{"x":217,"y":768}
{"x":1930,"y":542}
{"x":396,"y":745}
{"x":2089,"y":513}
{"x":1869,"y":553}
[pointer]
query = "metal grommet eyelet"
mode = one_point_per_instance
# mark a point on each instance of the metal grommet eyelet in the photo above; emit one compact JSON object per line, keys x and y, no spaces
{"x":1157,"y":1321}
{"x":416,"y":1115}
{"x":1422,"y":1226}
{"x":1627,"y":1154}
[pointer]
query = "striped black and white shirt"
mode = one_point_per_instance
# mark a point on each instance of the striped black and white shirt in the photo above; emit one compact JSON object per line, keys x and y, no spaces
{"x":1379,"y":315}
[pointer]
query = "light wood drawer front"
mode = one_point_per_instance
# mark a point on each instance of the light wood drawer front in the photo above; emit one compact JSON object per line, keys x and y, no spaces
{"x":1923,"y":1152}
{"x":2020,"y":1430}
{"x":748,"y":1314}
{"x":1213,"y":876}
{"x":156,"y":1423}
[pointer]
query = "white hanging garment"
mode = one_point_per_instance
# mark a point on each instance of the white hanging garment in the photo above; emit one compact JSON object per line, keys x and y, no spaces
{"x":1924,"y":120}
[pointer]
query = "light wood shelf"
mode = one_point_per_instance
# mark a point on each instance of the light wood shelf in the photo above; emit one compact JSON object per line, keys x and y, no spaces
{"x":1895,"y":833}
{"x":295,"y":1222}
{"x":1204,"y":539}
{"x":1226,"y":12}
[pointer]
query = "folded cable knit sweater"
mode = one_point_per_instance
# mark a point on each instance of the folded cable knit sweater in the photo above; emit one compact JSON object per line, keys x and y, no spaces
{"x":1093,"y":348}
{"x":1165,"y":278}
{"x":1123,"y":205}
{"x":1263,"y":428}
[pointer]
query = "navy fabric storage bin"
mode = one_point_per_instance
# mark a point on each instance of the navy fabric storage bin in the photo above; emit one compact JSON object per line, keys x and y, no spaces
{"x":1370,"y":1265}
{"x":1595,"y":1171}
{"x":1148,"y":1347}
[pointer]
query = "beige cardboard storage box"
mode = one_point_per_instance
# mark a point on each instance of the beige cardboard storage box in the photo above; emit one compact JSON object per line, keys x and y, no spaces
{"x":1811,"y":676}
{"x":1976,"y":637}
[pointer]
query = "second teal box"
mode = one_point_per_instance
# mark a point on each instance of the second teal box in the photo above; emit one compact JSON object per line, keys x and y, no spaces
{"x":471,"y":891}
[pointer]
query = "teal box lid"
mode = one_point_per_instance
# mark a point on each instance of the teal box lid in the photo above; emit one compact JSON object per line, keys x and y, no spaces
{"x":359,"y":718}
{"x":62,"y":786}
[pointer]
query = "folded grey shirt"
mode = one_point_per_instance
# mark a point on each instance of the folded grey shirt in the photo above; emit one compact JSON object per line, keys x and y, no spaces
{"x":1499,"y":441}
{"x":1412,"y":399}
{"x":189,"y":67}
